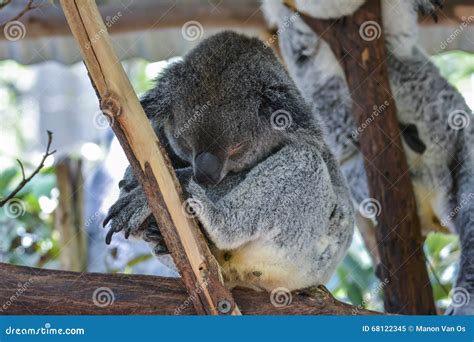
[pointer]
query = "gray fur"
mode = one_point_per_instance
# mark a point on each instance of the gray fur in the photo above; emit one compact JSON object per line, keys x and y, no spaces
{"x":281,"y":214}
{"x":441,"y":168}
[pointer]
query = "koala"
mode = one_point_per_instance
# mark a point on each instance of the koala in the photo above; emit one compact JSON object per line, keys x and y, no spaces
{"x":435,"y":121}
{"x":254,"y":166}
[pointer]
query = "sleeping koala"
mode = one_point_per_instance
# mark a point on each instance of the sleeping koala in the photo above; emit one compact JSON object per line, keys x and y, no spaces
{"x":253,"y":163}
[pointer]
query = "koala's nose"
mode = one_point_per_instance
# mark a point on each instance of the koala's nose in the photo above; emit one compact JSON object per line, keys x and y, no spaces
{"x":207,"y":168}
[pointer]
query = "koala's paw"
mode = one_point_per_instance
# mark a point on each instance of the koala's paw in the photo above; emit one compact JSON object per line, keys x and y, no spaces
{"x":196,"y":191}
{"x":127,"y":214}
{"x":430,"y":7}
{"x":152,"y":235}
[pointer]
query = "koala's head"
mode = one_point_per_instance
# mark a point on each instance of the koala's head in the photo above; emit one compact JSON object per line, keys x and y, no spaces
{"x":228,"y":104}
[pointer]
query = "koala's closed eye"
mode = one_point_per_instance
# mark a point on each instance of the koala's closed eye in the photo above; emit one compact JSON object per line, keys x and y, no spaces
{"x":236,"y":149}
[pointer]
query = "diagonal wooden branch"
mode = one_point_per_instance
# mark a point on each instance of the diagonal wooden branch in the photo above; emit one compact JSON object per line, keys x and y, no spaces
{"x":398,"y":233}
{"x":25,"y":180}
{"x":149,"y":161}
{"x":28,"y":291}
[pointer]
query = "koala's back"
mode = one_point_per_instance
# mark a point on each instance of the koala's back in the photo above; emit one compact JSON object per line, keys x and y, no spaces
{"x":305,"y":224}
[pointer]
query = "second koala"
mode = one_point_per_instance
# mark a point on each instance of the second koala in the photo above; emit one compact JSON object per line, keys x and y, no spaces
{"x":254,"y":165}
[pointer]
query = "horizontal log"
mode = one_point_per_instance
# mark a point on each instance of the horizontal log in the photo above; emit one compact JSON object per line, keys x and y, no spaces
{"x":33,"y":291}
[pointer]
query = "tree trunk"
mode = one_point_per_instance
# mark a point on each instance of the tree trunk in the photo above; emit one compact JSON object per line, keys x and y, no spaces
{"x":69,"y":215}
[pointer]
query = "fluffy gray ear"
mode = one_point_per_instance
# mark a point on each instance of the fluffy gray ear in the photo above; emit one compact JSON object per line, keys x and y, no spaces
{"x":157,"y":104}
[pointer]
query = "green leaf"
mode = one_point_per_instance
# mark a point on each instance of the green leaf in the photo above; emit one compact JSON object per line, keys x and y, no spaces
{"x":139,"y":259}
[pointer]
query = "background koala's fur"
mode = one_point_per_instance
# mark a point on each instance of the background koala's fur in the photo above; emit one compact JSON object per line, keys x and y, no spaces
{"x":281,"y":214}
{"x":441,"y":158}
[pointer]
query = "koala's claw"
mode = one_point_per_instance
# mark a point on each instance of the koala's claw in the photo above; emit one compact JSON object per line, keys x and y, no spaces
{"x":127,"y":214}
{"x":108,"y":237}
{"x":107,"y":219}
{"x":112,"y":218}
{"x":152,"y":235}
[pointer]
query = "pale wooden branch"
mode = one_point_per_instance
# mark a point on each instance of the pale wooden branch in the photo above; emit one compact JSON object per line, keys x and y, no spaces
{"x":148,"y":160}
{"x":25,"y":180}
{"x":33,"y":291}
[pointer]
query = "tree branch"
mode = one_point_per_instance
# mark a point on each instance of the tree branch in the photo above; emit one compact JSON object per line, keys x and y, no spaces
{"x":5,"y":3}
{"x":24,"y":180}
{"x":28,"y":291}
{"x":148,"y":160}
{"x":28,"y":7}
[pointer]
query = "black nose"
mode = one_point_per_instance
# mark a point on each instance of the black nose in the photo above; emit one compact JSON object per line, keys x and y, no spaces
{"x":207,"y":168}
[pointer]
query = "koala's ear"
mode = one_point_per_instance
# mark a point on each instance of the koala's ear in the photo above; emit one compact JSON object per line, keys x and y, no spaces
{"x":157,"y":104}
{"x":157,"y":101}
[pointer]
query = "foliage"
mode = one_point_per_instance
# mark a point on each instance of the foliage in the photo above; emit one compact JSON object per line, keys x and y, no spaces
{"x":456,"y":66}
{"x":26,"y":221}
